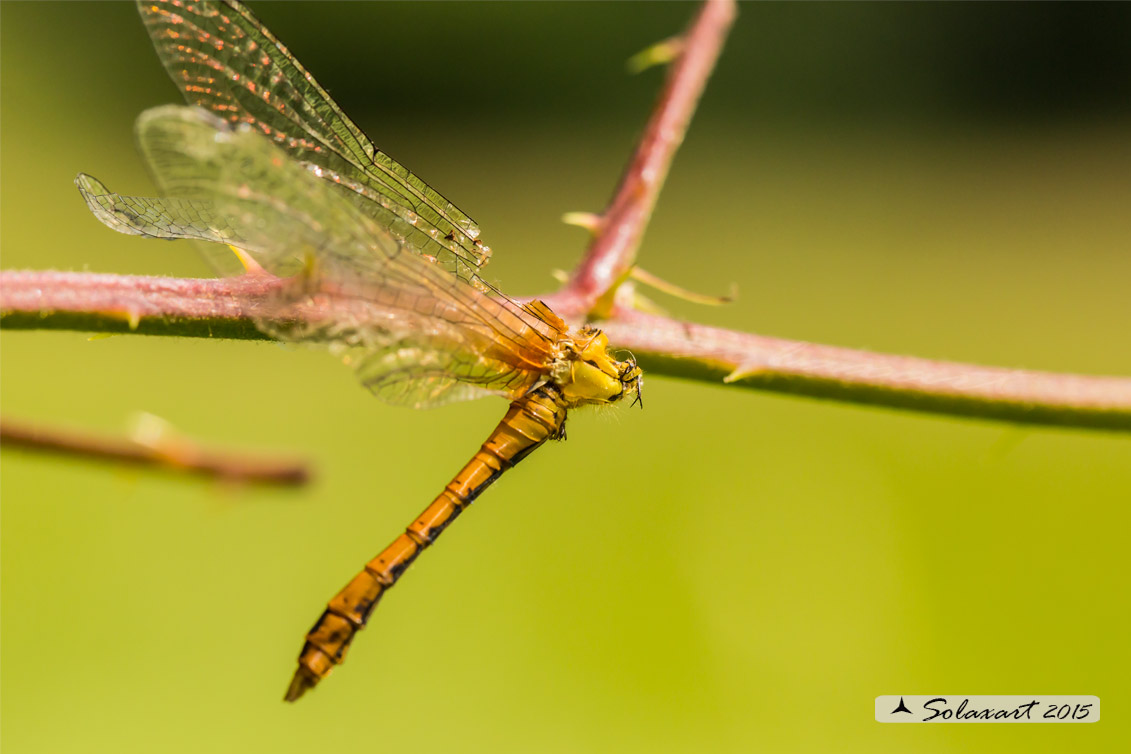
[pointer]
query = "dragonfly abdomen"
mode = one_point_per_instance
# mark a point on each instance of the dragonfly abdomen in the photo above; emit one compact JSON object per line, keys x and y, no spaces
{"x":531,"y":420}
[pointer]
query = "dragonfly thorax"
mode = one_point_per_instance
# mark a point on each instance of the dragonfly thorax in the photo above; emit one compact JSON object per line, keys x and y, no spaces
{"x":585,"y":371}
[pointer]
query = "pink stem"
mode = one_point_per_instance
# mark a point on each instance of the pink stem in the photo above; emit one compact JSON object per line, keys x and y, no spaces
{"x":858,"y":376}
{"x":224,"y":308}
{"x":622,"y":225}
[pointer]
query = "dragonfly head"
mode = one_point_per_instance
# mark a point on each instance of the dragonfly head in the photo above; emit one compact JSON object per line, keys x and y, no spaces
{"x":587,"y":373}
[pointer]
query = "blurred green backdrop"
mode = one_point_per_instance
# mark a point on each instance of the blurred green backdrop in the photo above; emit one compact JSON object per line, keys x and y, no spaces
{"x":725,"y":571}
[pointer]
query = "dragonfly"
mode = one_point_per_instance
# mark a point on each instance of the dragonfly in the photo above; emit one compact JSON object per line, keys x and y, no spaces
{"x":263,"y":163}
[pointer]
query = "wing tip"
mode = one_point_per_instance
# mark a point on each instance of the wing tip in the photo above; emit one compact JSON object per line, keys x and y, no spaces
{"x":101,"y":202}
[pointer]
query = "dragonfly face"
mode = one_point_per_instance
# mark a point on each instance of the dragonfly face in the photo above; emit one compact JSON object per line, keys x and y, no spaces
{"x":586,"y":372}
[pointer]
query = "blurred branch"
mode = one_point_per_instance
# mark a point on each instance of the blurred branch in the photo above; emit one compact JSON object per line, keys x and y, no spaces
{"x":175,"y":454}
{"x":222,"y":308}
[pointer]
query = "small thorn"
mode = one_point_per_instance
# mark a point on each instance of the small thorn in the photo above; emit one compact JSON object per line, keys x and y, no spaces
{"x":647,"y":278}
{"x":742,"y":372}
{"x":152,"y":431}
{"x":560,"y":275}
{"x":160,"y":436}
{"x":132,"y":317}
{"x":660,"y":53}
{"x":588,"y":220}
{"x":251,"y":267}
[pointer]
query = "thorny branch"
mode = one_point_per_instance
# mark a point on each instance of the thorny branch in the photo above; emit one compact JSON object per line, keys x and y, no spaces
{"x":221,"y":308}
{"x":617,"y":231}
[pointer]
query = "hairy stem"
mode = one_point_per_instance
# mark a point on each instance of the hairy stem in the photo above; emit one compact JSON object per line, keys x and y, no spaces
{"x":221,"y":308}
{"x":714,"y":354}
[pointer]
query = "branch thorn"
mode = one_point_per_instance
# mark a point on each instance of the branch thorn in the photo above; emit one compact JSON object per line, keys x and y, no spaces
{"x":588,"y":220}
{"x":131,"y":317}
{"x":652,"y":281}
{"x":251,"y":267}
{"x":660,"y":53}
{"x":743,"y":371}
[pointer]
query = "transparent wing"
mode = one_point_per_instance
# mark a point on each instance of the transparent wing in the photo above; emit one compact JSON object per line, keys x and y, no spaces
{"x":154,"y":217}
{"x":165,"y":218}
{"x":224,"y":60}
{"x":416,"y":334}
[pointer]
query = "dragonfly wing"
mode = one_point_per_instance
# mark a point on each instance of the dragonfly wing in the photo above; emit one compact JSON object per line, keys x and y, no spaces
{"x":168,"y":218}
{"x":407,"y":374}
{"x":416,"y":333}
{"x":225,"y":61}
{"x":280,"y":212}
{"x":154,"y":217}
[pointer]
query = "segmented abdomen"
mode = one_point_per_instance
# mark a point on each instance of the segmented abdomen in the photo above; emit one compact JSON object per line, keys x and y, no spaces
{"x":530,"y":421}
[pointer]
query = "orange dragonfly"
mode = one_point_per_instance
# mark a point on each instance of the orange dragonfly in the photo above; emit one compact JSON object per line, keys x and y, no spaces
{"x":265,"y":164}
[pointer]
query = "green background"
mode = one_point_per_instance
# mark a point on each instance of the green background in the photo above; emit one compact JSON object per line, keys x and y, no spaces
{"x":723,"y":571}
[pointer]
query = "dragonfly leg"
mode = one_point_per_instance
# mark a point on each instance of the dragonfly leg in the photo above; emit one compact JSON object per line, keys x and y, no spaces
{"x":531,"y":420}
